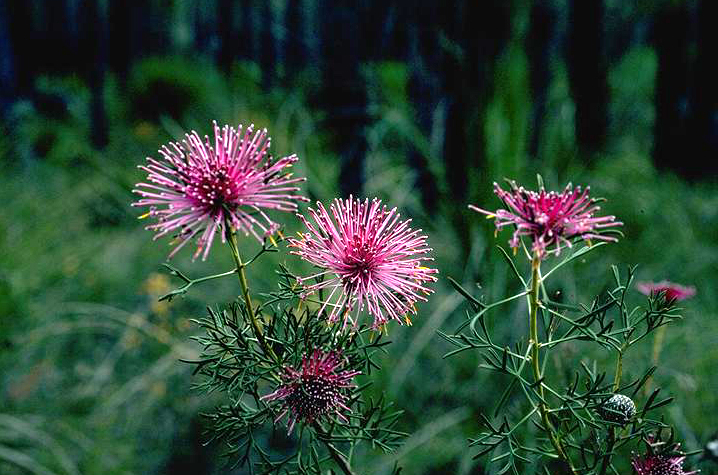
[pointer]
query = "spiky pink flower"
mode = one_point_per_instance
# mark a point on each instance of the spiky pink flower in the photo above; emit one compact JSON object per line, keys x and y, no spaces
{"x":672,"y":291}
{"x":657,"y":464}
{"x":370,"y":259}
{"x":196,"y":187}
{"x":549,"y":219}
{"x":314,"y":391}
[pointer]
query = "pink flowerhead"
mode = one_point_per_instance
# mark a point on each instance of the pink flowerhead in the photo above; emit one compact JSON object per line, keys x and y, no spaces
{"x":672,"y":291}
{"x":196,"y":187}
{"x":550,"y":219}
{"x":370,"y":259}
{"x":314,"y":391}
{"x":657,"y":464}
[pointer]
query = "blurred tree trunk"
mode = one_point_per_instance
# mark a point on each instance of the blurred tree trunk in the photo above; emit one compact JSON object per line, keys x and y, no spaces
{"x":23,"y":38}
{"x":423,"y":90}
{"x":295,"y":47}
{"x":344,"y":95}
{"x":703,"y":120}
{"x":539,"y":46}
{"x":382,"y":38}
{"x":477,"y":32}
{"x":587,"y":73}
{"x":120,"y":37}
{"x":455,"y":150}
{"x":245,"y":46}
{"x":58,"y":41}
{"x":671,"y":37}
{"x":226,"y":33}
{"x":7,"y":70}
{"x":94,"y":35}
{"x":205,"y":28}
{"x":268,"y":49}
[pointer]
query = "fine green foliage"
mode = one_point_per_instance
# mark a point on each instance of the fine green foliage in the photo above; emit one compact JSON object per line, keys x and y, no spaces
{"x":589,"y":434}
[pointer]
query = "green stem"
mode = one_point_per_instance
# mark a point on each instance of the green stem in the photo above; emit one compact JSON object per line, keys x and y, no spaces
{"x":535,"y":364}
{"x":338,"y":457}
{"x":657,"y":347}
{"x":256,"y":328}
{"x":619,"y":370}
{"x":612,"y":430}
{"x":609,"y":449}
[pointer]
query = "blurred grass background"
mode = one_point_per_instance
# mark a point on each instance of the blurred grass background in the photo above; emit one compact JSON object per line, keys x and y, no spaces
{"x":91,"y":380}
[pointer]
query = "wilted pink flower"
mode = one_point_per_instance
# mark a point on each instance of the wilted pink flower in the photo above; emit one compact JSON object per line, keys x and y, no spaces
{"x":655,"y":464}
{"x":314,"y":391}
{"x":196,"y":186}
{"x":550,"y":219}
{"x":672,"y":291}
{"x":369,"y":259}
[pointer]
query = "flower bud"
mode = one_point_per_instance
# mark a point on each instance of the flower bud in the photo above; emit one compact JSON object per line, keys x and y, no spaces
{"x":618,"y":408}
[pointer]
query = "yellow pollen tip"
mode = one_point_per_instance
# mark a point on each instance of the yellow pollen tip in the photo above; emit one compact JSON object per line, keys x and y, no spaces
{"x":516,"y":250}
{"x":144,"y":215}
{"x":490,"y":216}
{"x":408,"y":320}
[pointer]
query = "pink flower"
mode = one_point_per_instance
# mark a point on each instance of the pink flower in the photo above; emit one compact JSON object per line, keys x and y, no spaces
{"x":672,"y":291}
{"x":549,"y":219}
{"x":654,"y":464}
{"x":196,"y":187}
{"x":314,"y":391}
{"x":370,"y":259}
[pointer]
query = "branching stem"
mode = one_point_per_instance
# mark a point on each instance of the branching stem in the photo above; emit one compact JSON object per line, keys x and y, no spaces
{"x":535,"y":364}
{"x":256,"y":328}
{"x":337,"y":456}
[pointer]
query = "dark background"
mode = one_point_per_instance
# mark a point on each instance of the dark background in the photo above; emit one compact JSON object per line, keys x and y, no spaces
{"x":421,"y":103}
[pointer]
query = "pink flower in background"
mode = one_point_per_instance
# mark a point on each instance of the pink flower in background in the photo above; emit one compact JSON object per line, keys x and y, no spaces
{"x":550,"y":219}
{"x":370,"y":259}
{"x":314,"y":391}
{"x":196,"y":186}
{"x":654,"y":464}
{"x":672,"y":291}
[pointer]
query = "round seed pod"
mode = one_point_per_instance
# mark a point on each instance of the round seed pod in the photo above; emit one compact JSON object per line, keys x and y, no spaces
{"x":618,"y":408}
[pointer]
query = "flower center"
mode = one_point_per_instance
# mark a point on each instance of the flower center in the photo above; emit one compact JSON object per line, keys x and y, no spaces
{"x":211,"y":189}
{"x":359,"y":262}
{"x":316,"y":395}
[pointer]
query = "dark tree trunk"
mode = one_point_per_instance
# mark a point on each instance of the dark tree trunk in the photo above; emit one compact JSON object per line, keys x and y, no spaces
{"x":383,"y":35}
{"x":58,"y":41}
{"x":455,"y":150}
{"x":24,"y":39}
{"x":476,"y":33}
{"x":295,"y":48}
{"x":120,"y":37}
{"x":671,"y":37}
{"x":204,"y":30}
{"x":539,"y":46}
{"x":94,"y":34}
{"x":225,"y":31}
{"x":245,"y":44}
{"x":587,"y":73}
{"x":481,"y":30}
{"x":423,"y":90}
{"x":703,"y":120}
{"x":268,"y":51}
{"x":7,"y":69}
{"x":344,"y":95}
